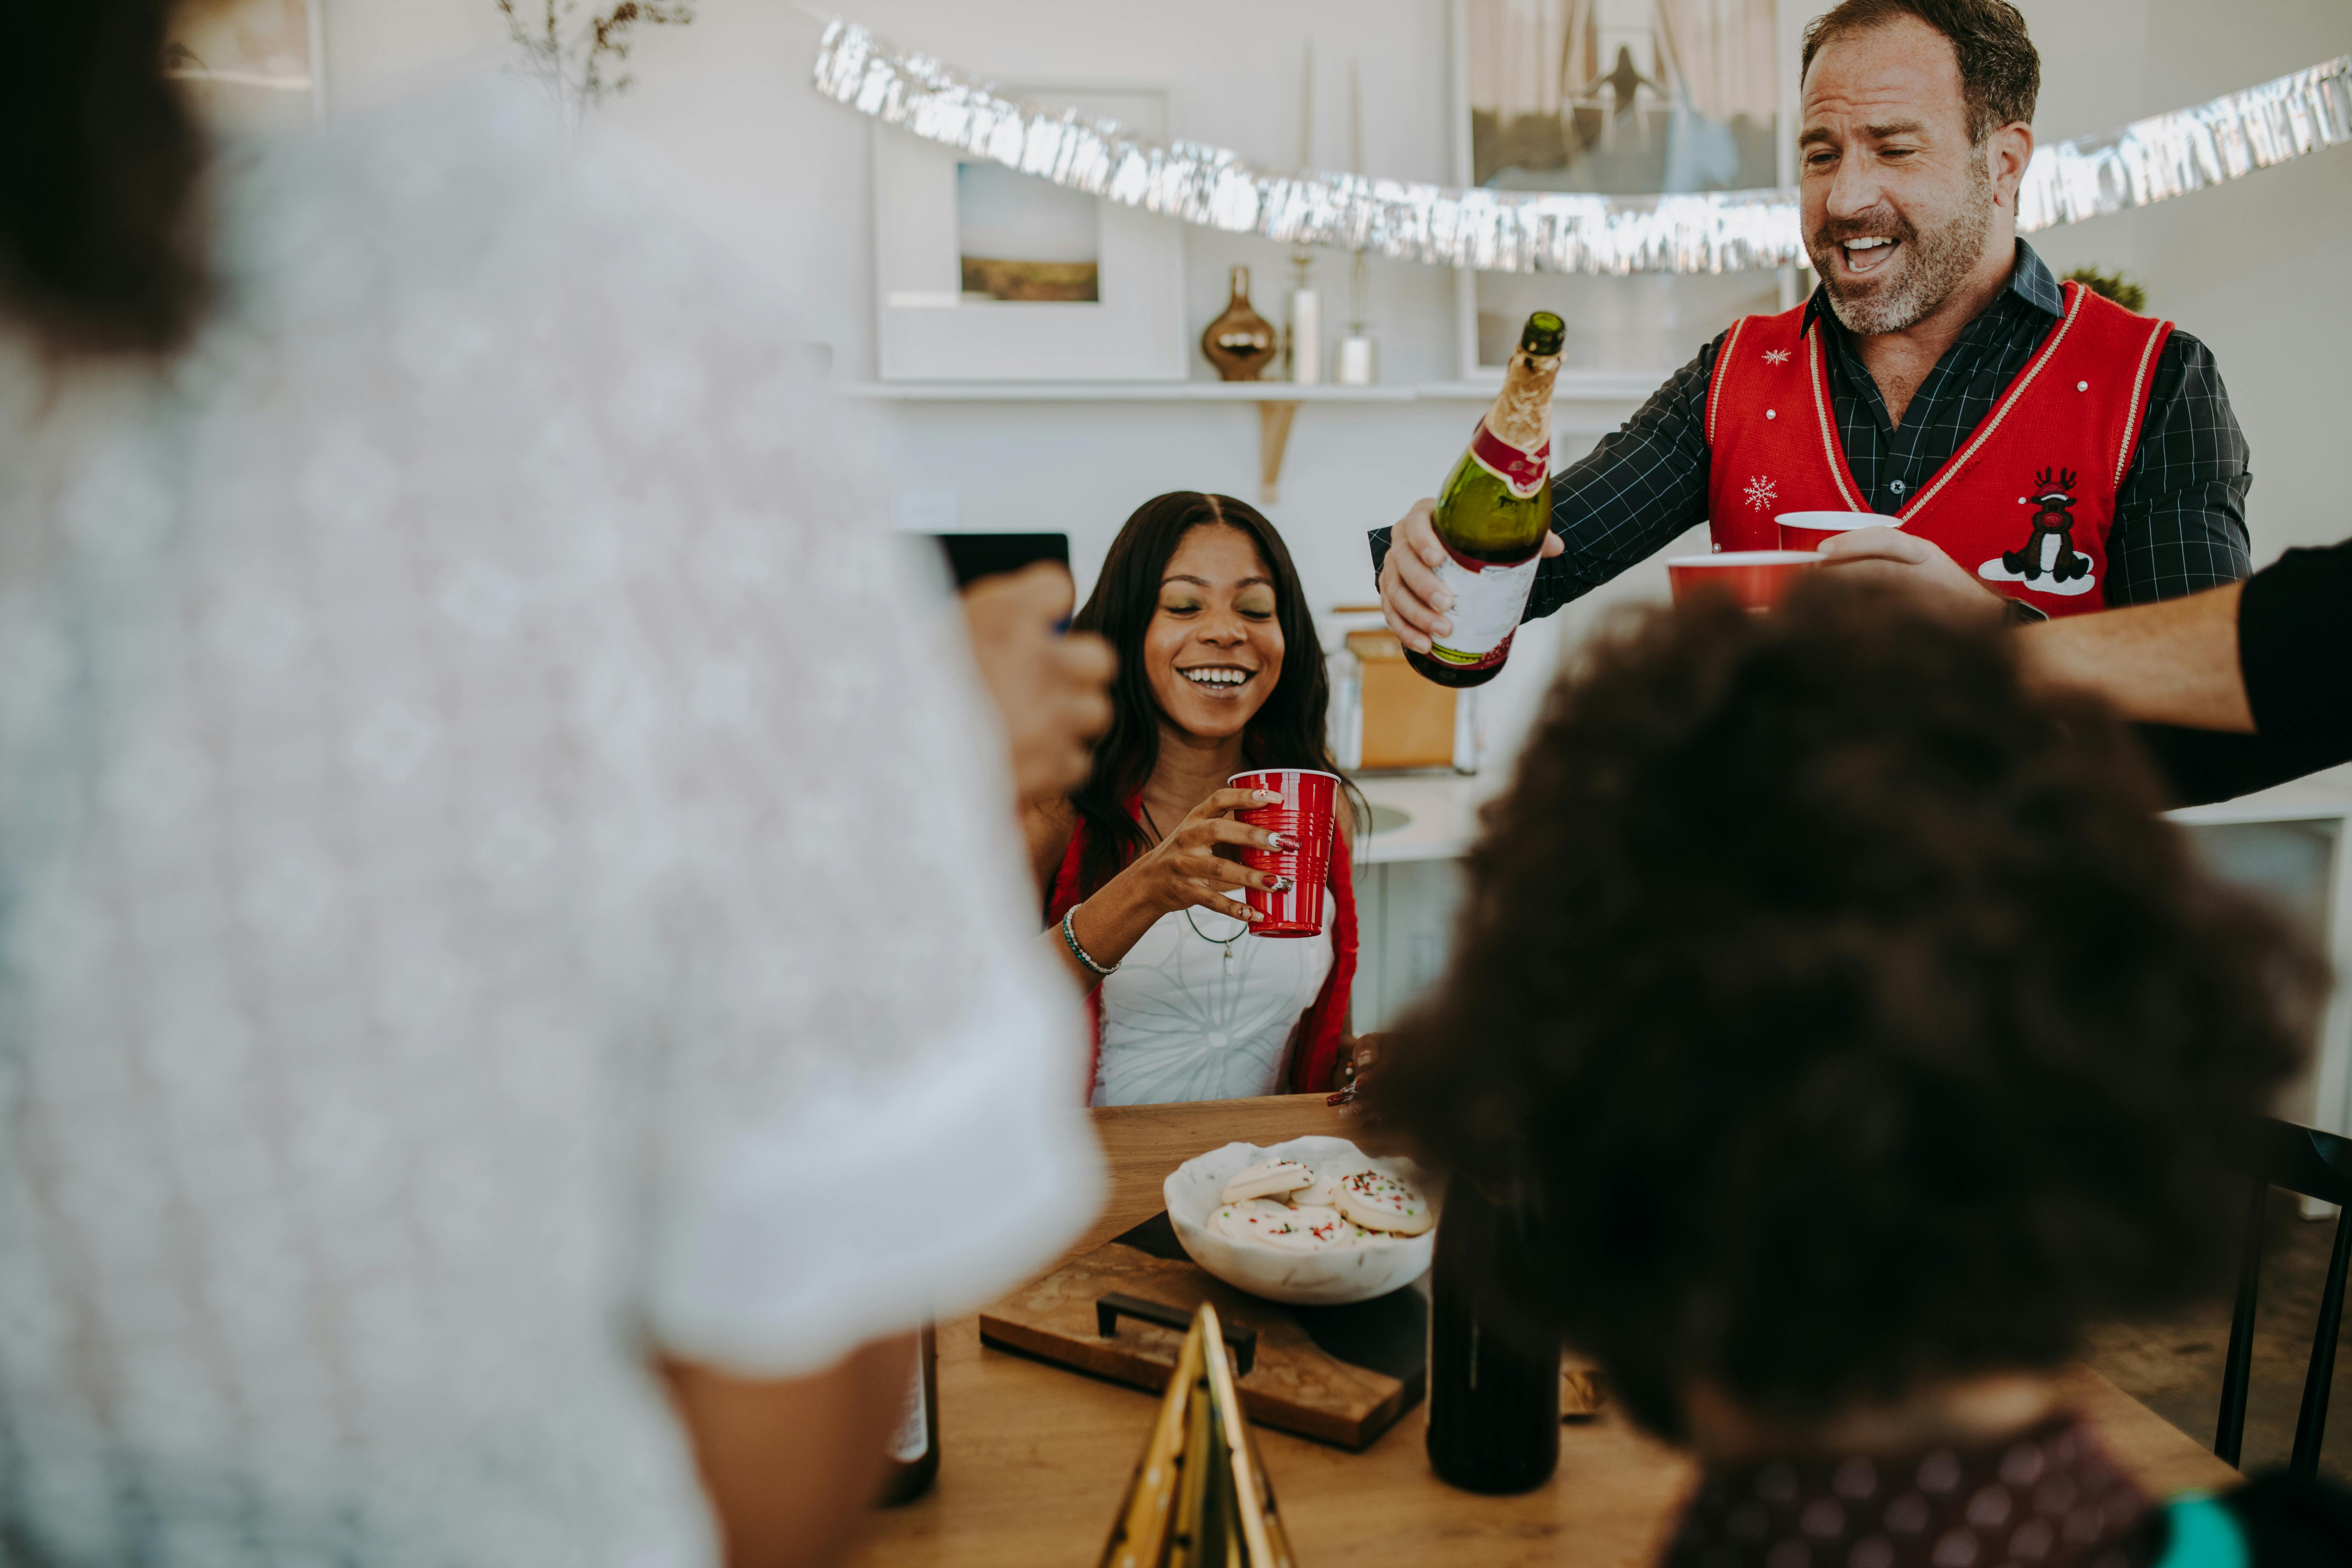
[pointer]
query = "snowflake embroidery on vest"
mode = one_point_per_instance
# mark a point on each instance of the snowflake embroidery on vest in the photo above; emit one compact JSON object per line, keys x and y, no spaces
{"x":1775,"y":356}
{"x":1761,"y":492}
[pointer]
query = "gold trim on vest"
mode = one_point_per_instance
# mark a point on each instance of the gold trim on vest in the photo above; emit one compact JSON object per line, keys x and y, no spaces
{"x":2156,"y":333}
{"x":1959,"y":459}
{"x":1722,"y":358}
{"x":1818,"y":367}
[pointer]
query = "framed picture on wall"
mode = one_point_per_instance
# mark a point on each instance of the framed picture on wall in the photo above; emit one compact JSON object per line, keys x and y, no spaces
{"x":1624,"y":97}
{"x":982,"y":273}
{"x":251,"y":65}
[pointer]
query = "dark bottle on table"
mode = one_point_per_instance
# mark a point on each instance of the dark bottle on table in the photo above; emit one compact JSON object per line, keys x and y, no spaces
{"x":914,"y":1445}
{"x":1494,"y":1375}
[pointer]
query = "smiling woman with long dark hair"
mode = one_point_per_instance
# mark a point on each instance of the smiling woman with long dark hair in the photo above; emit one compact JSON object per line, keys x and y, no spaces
{"x":1219,"y":671}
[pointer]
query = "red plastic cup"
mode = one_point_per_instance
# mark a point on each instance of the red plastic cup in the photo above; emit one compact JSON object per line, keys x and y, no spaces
{"x":1304,"y":816}
{"x":1758,"y":580}
{"x":1807,"y":530}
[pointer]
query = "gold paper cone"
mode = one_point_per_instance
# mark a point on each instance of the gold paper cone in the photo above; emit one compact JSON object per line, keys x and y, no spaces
{"x":1200,"y":1498}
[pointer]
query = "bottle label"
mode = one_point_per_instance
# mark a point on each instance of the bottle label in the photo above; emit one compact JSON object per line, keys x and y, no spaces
{"x":1488,"y":600}
{"x":912,"y":1440}
{"x":1523,"y":473}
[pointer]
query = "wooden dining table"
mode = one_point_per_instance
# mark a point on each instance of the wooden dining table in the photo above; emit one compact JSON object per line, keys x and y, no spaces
{"x":1034,"y":1459}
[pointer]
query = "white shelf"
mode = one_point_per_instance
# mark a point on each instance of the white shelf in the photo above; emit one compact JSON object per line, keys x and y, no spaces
{"x":1124,"y":392}
{"x":1278,"y":402}
{"x":1594,"y":387}
{"x":1573,"y":386}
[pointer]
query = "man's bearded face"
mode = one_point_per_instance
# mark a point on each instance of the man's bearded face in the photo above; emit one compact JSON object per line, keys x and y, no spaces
{"x":1884,"y":271}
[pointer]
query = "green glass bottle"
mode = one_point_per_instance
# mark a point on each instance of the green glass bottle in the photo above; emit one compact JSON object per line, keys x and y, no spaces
{"x":1492,"y":514}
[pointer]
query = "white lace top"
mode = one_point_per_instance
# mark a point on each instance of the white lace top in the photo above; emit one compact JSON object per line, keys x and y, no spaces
{"x":491,"y":883}
{"x":1190,"y":1018}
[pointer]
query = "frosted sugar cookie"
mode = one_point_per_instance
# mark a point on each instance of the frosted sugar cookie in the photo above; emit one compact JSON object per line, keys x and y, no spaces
{"x":1315,"y":1230}
{"x":1304,"y":1230}
{"x":1268,"y":1179}
{"x":1250,"y":1219}
{"x":1323,"y":1192}
{"x":1382,"y":1203}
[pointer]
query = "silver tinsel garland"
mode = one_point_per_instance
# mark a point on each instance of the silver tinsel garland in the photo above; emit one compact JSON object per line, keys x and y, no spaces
{"x":1501,"y":231}
{"x":2190,"y":149}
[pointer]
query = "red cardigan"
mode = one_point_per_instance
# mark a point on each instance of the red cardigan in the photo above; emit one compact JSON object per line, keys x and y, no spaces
{"x":1315,"y":1065}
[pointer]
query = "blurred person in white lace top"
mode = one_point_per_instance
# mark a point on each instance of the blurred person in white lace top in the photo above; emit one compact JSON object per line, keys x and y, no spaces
{"x":497,"y":931}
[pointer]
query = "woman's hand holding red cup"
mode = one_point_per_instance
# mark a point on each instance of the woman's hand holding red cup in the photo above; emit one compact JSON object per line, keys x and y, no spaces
{"x":1186,"y":869}
{"x":1304,"y":812}
{"x":1196,"y":864}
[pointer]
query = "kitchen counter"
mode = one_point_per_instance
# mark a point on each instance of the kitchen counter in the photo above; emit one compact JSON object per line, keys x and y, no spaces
{"x":1409,"y":889}
{"x":1443,"y":808}
{"x":1441,"y":811}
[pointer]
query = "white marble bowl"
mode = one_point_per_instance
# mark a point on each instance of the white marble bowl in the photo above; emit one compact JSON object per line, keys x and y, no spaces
{"x":1194,"y":1191}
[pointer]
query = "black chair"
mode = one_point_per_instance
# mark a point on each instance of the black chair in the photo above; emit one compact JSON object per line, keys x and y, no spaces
{"x":2316,"y":1165}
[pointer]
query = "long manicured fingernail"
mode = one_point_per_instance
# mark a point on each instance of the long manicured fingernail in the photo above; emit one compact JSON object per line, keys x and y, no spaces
{"x":1281,"y":841}
{"x":1250,"y":913}
{"x":1279,"y":885}
{"x":1271,"y":796}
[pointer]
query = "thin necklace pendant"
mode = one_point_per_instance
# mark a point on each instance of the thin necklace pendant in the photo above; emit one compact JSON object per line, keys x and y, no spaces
{"x":1228,"y":942}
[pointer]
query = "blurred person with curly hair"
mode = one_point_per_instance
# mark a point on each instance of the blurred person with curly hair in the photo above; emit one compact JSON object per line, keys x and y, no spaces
{"x":1857,"y":1033}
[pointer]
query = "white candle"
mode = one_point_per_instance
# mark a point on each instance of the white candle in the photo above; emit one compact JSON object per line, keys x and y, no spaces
{"x":1305,"y":335}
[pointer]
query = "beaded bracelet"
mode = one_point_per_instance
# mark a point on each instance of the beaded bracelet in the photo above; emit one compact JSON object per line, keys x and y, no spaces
{"x":1080,"y":953}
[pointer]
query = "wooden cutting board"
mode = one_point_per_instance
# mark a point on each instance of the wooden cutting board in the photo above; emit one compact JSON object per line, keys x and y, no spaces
{"x":1340,"y":1375}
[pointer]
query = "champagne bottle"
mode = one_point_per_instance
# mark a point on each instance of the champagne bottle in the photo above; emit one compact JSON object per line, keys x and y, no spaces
{"x":915,"y":1446}
{"x":1494,"y":1374}
{"x":1492,"y":514}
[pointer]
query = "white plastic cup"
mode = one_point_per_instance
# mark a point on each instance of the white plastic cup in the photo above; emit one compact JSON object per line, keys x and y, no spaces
{"x":1810,"y":529}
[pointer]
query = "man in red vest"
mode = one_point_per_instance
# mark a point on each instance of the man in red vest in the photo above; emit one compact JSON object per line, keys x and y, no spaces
{"x":2048,"y":451}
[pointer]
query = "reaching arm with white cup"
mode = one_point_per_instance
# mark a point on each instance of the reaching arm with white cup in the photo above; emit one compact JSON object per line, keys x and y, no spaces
{"x":1898,"y":562}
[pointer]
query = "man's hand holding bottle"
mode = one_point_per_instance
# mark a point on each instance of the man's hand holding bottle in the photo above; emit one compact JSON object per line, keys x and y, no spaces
{"x":1412,"y":597}
{"x":1460,"y":566}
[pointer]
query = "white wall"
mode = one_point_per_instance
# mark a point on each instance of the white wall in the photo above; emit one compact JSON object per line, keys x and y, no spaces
{"x":2256,"y":270}
{"x":1232,"y":69}
{"x":2259,"y":268}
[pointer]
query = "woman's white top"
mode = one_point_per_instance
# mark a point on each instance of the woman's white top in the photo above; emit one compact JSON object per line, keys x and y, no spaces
{"x":499,"y":877}
{"x":1188,"y":1019}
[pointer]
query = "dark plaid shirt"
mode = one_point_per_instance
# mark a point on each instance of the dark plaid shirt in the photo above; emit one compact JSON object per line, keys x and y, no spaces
{"x":2180,"y":516}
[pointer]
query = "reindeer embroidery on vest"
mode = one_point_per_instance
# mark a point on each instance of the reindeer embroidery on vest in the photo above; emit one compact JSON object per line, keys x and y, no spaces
{"x":2048,"y":560}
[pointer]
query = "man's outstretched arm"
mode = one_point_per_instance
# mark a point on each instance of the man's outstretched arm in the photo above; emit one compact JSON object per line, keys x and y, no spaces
{"x":2267,"y":663}
{"x":2172,"y":662}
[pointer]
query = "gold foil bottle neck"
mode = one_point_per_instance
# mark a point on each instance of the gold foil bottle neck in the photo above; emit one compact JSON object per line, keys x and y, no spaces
{"x":1521,"y":417}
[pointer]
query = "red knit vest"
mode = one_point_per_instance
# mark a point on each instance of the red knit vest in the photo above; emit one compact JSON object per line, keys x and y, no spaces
{"x":2026,"y":501}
